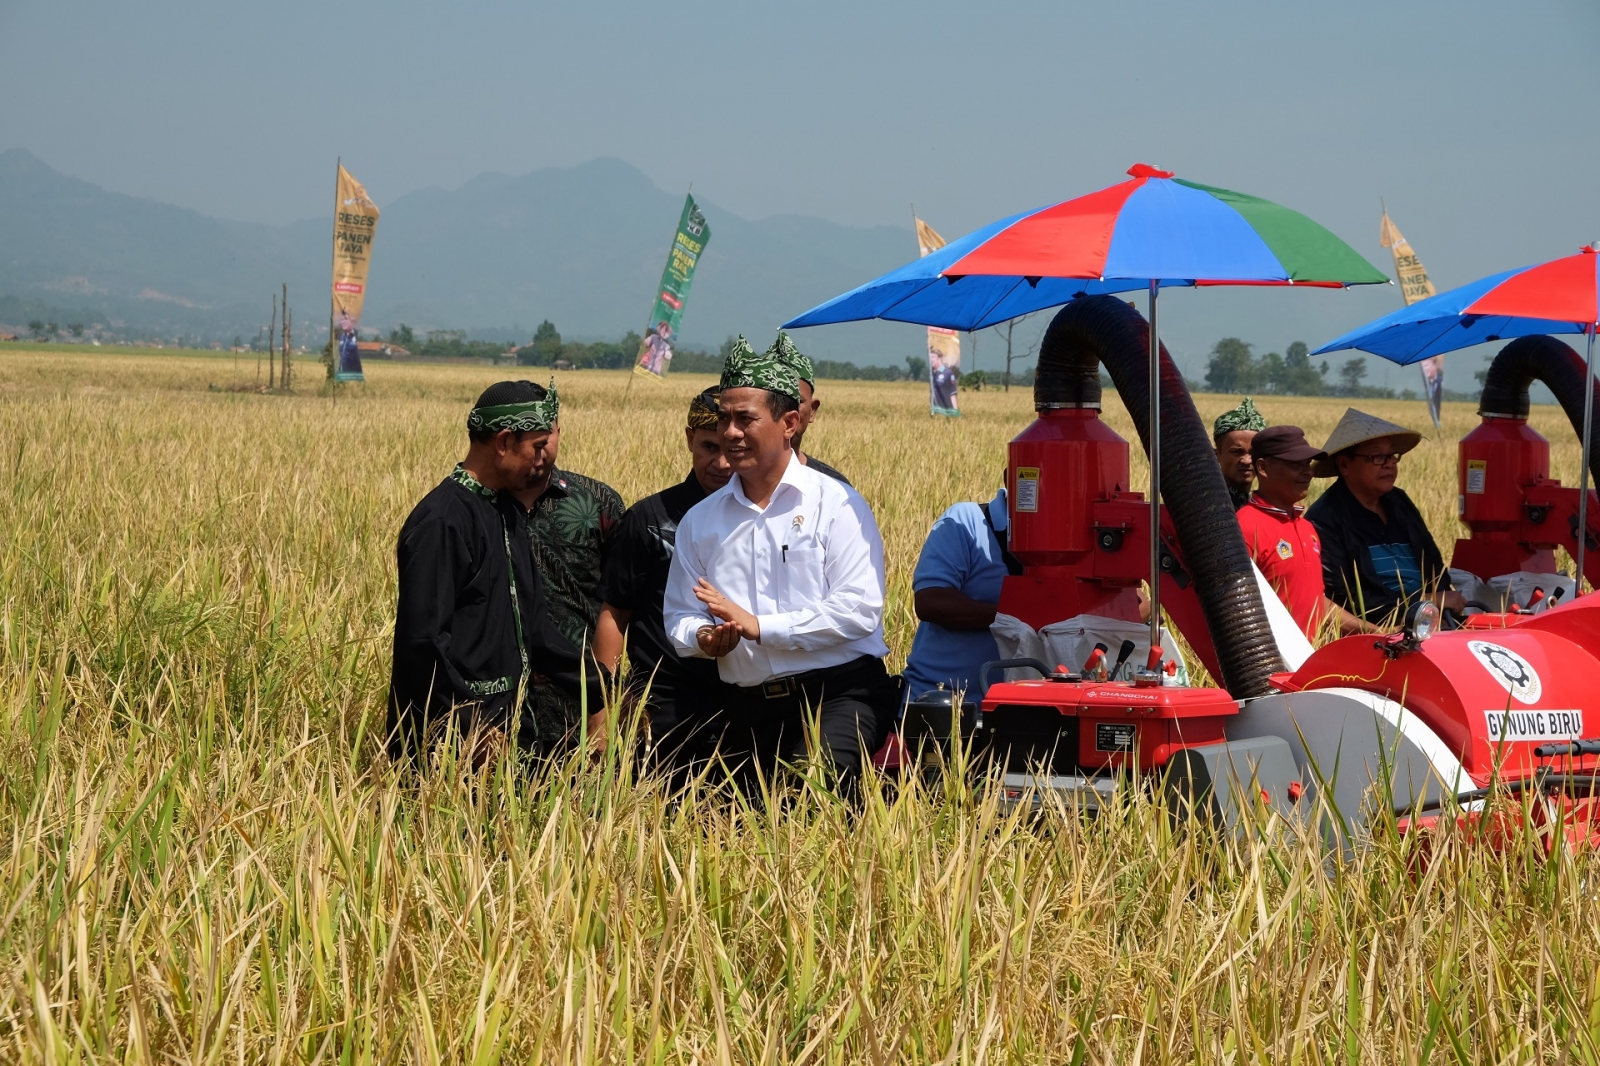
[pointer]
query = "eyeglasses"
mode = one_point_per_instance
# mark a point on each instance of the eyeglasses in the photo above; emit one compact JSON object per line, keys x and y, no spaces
{"x":1378,"y":458}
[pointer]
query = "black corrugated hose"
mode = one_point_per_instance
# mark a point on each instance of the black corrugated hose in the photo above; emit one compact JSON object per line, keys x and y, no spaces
{"x":1526,"y":359}
{"x":1096,"y":330}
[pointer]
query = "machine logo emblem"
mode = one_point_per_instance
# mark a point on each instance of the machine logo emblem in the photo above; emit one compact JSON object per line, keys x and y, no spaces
{"x":1511,"y":670}
{"x":1285,"y":551}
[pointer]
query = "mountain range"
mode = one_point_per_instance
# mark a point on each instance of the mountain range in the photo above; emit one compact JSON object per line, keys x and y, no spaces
{"x":582,"y":246}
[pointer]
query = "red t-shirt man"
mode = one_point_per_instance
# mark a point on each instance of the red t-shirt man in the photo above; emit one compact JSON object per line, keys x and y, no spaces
{"x":1284,"y":545}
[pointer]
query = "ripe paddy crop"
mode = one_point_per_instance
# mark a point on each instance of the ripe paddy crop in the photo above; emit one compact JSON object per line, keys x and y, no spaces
{"x":205,"y":859}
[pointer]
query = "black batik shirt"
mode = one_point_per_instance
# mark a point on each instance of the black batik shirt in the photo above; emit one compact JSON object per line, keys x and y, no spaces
{"x":1371,"y":566}
{"x":468,"y":612}
{"x":635,"y":580}
{"x":570,"y":528}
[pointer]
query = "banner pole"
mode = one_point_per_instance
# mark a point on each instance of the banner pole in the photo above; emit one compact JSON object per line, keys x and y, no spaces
{"x":333,"y":268}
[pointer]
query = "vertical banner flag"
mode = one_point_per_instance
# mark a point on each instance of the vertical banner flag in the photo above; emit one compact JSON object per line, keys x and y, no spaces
{"x":655,"y":350}
{"x":355,"y":221}
{"x":944,"y":345}
{"x":1415,"y":285}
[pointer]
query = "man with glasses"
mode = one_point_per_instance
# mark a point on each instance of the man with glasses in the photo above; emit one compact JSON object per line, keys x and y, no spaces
{"x":1378,"y":557}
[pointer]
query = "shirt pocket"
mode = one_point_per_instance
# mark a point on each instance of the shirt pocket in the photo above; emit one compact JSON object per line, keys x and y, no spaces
{"x":802,"y":584}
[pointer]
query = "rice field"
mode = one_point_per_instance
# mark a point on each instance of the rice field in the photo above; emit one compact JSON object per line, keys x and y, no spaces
{"x":204,"y":859}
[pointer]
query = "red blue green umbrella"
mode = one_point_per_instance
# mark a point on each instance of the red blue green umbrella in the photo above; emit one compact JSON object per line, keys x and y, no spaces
{"x":1154,"y":228}
{"x":1149,"y":232}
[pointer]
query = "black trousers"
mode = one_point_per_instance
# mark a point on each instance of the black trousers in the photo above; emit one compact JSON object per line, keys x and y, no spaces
{"x":687,"y":722}
{"x":850,"y":709}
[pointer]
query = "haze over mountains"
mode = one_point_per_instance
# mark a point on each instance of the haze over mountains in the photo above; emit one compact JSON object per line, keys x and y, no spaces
{"x":582,"y":246}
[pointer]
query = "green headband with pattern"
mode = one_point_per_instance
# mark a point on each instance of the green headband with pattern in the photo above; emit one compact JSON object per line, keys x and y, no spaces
{"x":703,"y":410}
{"x":783,"y":348}
{"x":1245,"y":416}
{"x":529,"y":416}
{"x":745,"y":369}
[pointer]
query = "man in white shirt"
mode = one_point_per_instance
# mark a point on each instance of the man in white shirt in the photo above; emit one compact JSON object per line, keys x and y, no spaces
{"x":779,"y":577}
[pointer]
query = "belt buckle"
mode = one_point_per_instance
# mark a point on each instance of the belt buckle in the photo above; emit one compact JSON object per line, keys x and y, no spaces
{"x":777,"y":689}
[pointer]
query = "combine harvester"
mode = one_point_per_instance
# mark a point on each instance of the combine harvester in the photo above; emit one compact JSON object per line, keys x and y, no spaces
{"x":1425,"y":721}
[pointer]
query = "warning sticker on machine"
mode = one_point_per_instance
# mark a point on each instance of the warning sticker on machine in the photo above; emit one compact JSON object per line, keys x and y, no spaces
{"x":1477,"y":473}
{"x":1114,"y":736}
{"x":1512,"y":726}
{"x":1027,"y":488}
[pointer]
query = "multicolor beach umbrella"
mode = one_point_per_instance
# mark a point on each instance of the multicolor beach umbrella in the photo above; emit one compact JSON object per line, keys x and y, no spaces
{"x":1148,"y":233}
{"x":1153,"y":228}
{"x":1561,"y":296}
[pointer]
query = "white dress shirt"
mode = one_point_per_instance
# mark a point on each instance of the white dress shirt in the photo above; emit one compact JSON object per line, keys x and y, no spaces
{"x":809,"y":567}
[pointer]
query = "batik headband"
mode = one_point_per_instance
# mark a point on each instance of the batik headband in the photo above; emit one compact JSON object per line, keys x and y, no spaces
{"x":529,"y":416}
{"x":744,"y":369}
{"x":784,"y":349}
{"x":1245,"y":416}
{"x":703,"y":410}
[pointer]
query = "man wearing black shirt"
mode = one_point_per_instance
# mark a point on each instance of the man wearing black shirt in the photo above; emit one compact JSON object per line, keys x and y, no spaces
{"x":1377,"y":554}
{"x":682,"y":698}
{"x":471,"y":629}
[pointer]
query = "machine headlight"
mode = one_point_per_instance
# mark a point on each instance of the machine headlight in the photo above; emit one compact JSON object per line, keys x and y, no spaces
{"x":1422,"y":621}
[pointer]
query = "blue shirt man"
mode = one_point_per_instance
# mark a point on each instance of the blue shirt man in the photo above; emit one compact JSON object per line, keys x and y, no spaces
{"x":957,"y":590}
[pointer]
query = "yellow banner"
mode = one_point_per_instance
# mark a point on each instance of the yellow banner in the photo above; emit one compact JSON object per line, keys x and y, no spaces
{"x":1413,"y":276}
{"x":944,"y":345}
{"x":1414,"y":285}
{"x":355,"y":223}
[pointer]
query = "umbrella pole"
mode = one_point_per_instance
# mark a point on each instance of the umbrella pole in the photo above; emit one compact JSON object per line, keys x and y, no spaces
{"x":1583,"y":471}
{"x":1155,"y":482}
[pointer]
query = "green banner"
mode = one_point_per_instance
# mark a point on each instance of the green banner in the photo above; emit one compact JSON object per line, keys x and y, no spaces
{"x":655,"y":351}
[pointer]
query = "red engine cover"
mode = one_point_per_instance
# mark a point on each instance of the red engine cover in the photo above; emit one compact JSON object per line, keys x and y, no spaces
{"x":1491,"y":695}
{"x":1119,"y":723}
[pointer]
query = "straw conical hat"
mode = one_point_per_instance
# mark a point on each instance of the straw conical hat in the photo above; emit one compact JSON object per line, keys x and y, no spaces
{"x":1358,"y":427}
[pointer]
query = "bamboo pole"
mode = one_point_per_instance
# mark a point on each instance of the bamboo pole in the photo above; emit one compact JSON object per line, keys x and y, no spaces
{"x":272,"y":346}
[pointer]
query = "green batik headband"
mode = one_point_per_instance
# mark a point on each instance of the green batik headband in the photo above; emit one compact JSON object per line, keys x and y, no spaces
{"x":744,"y":369}
{"x":784,"y":349}
{"x":1245,"y":416}
{"x":530,"y":416}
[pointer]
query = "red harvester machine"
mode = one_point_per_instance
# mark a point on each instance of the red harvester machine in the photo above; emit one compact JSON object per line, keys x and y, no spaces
{"x":1423,"y":721}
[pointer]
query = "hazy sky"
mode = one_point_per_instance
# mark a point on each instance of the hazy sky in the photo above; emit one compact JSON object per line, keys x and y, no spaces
{"x":1476,"y":120}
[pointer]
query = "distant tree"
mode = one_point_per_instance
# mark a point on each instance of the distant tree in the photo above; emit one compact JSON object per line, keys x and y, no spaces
{"x":403,"y":336}
{"x":545,"y":349}
{"x":1231,"y":368}
{"x":36,"y":327}
{"x":53,"y":328}
{"x":917,"y":367}
{"x":1350,"y":374}
{"x":76,"y":329}
{"x":1298,"y":377}
{"x":1268,"y":373}
{"x":238,"y":341}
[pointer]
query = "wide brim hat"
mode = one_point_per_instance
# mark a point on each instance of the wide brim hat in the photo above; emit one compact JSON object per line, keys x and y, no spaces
{"x":1358,"y":427}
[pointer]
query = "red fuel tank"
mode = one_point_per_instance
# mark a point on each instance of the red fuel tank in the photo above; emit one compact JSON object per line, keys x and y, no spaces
{"x":1061,"y":465}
